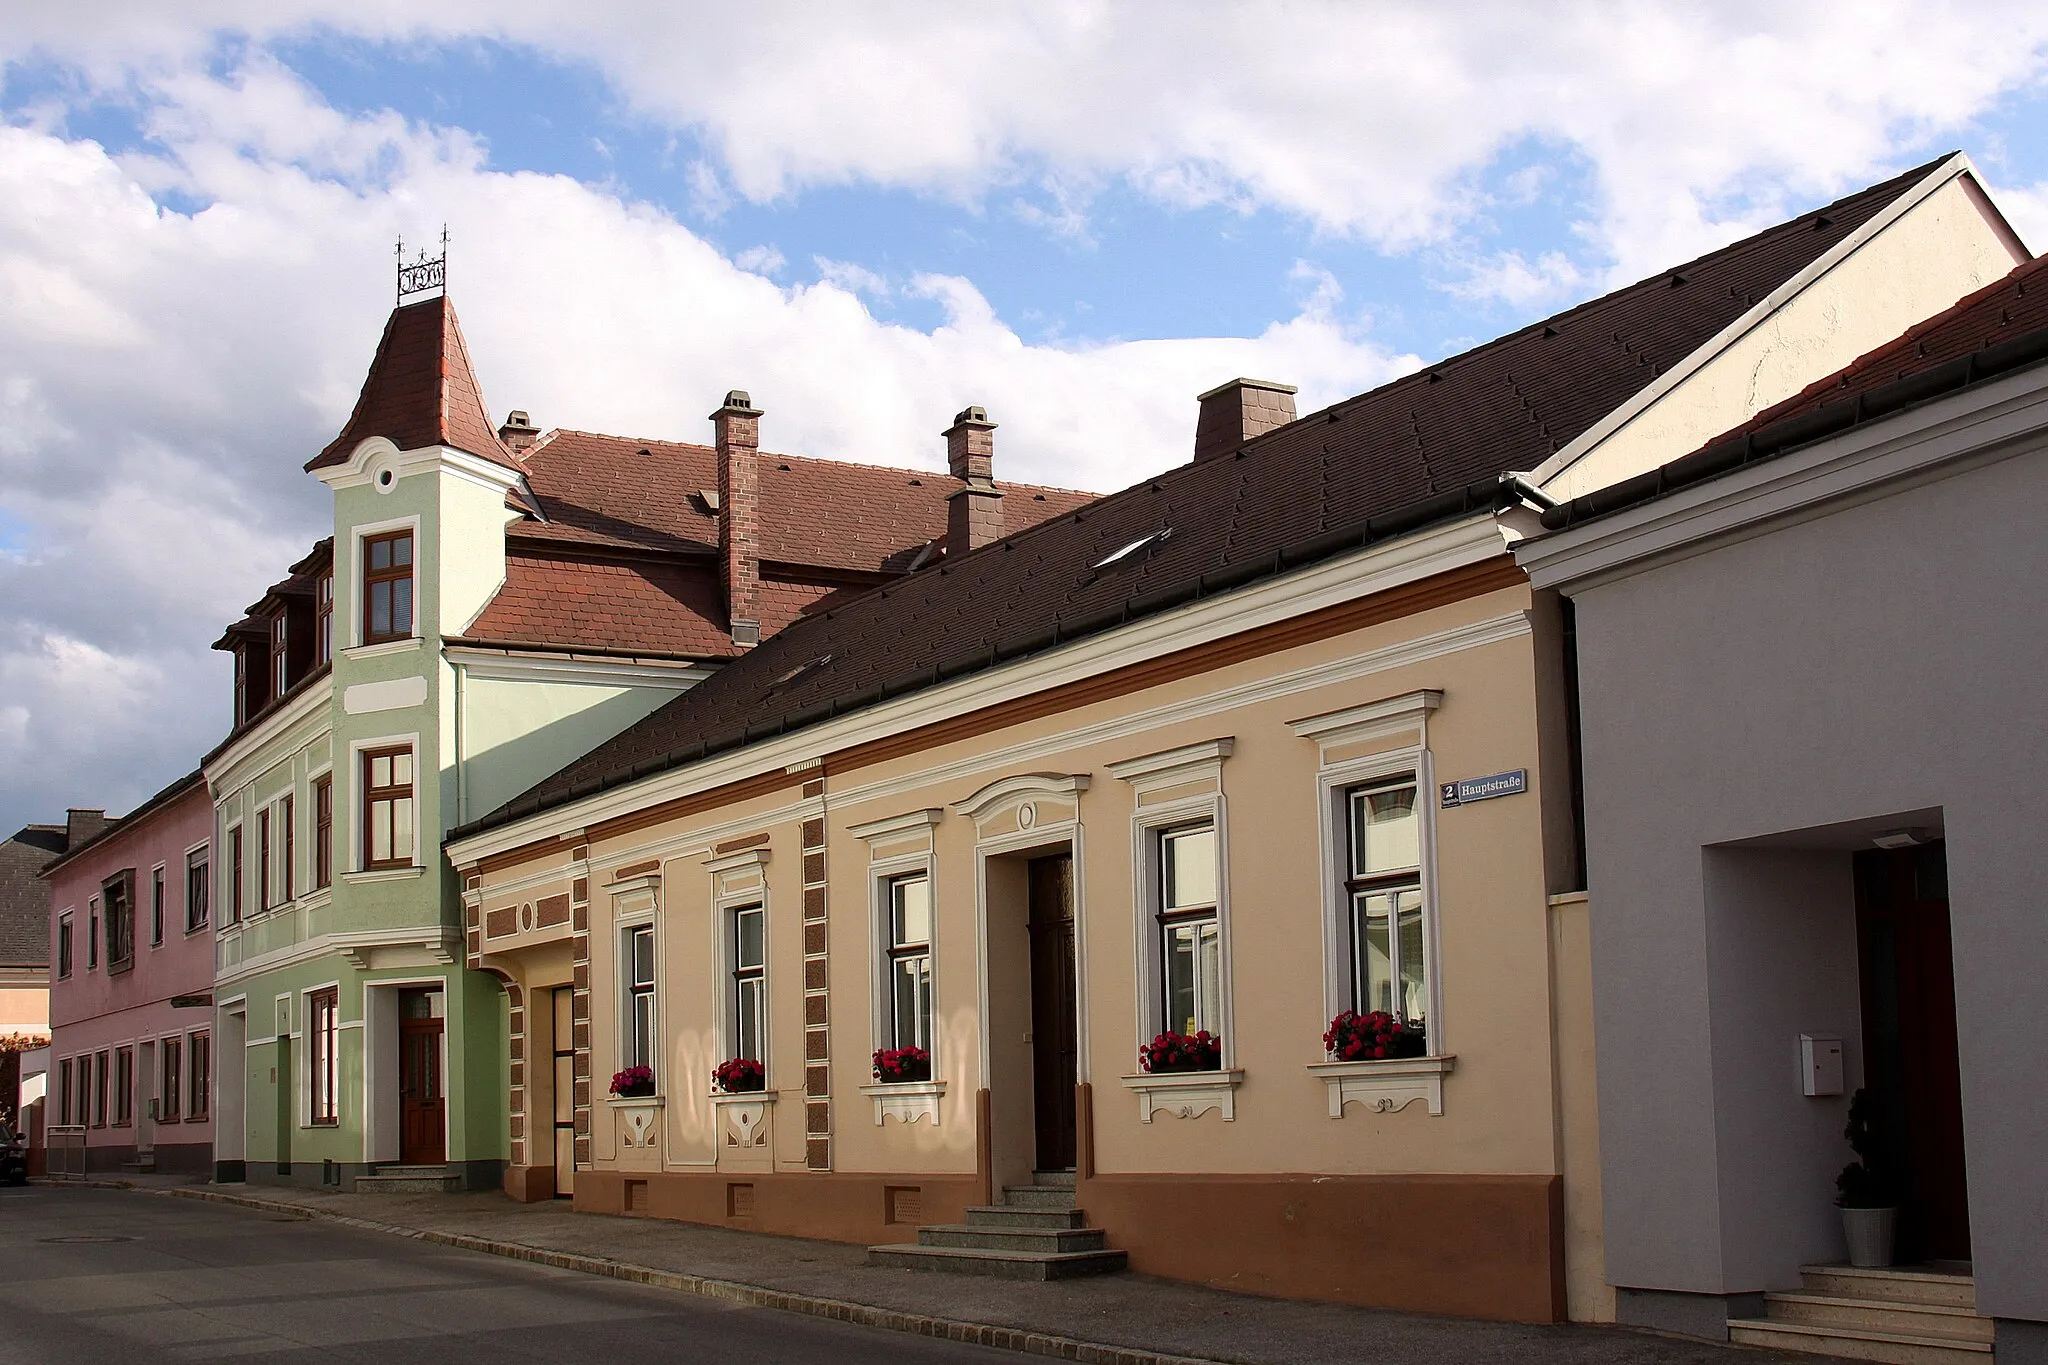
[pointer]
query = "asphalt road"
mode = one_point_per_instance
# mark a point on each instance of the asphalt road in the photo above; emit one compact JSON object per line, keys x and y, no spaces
{"x":108,"y":1278}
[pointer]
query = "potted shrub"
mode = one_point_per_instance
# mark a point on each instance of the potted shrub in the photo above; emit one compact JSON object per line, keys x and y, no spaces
{"x":739,"y":1076}
{"x":634,"y":1083}
{"x":1865,"y":1193}
{"x":1201,"y":1051}
{"x":1377,"y":1036}
{"x":894,"y":1064}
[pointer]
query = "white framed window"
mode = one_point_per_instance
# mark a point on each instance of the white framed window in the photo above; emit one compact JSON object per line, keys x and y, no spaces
{"x":323,"y":1056}
{"x":747,"y":999}
{"x":637,"y":957}
{"x":1190,"y":934}
{"x":383,"y":582}
{"x":907,"y":952}
{"x":1385,"y":955}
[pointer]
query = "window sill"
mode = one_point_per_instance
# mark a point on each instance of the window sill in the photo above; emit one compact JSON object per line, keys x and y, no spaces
{"x":1386,"y":1086}
{"x":1186,"y":1094}
{"x":382,"y":874}
{"x":638,"y":1119}
{"x":383,"y":647}
{"x":740,"y":1118}
{"x":907,"y":1101}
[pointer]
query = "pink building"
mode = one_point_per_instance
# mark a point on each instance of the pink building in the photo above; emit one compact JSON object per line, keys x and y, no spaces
{"x":131,"y":988}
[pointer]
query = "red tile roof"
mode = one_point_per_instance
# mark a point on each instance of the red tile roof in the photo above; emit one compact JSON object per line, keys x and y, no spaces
{"x":638,"y":606}
{"x":420,"y":391}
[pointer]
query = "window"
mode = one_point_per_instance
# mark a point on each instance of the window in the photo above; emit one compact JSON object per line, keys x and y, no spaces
{"x":202,"y":1076}
{"x":235,"y":875}
{"x":156,"y":907}
{"x":119,"y":918}
{"x":195,"y":890}
{"x":387,"y":808}
{"x":910,"y":960}
{"x":92,"y":933}
{"x":387,"y":587}
{"x":749,"y":984}
{"x":124,"y":1087}
{"x":323,"y":619}
{"x":1190,"y":948}
{"x":242,"y":707}
{"x":64,"y":946}
{"x":263,"y":859}
{"x":289,"y":869}
{"x":323,"y":832}
{"x":323,"y":1034}
{"x":1383,"y":884}
{"x":65,"y":1094}
{"x":641,"y":1043}
{"x":99,"y":1090}
{"x":173,"y":1082}
{"x":277,"y":654}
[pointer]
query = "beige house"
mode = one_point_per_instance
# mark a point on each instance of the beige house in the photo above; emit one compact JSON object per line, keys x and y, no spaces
{"x":1276,"y":735}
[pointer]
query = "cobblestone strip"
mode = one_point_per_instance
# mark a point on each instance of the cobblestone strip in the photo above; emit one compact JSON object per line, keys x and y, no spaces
{"x":730,"y":1291}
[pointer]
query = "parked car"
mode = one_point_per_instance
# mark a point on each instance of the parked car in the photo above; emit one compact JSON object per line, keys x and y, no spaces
{"x":13,"y":1155}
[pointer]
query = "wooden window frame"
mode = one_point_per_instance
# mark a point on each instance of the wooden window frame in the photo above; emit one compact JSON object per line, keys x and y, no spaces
{"x":323,"y":619}
{"x":65,"y":936}
{"x":263,"y":860}
{"x":1170,"y":918}
{"x":156,"y":907}
{"x":323,"y":1062}
{"x":92,"y":934}
{"x":199,"y":1074}
{"x":66,"y":1094}
{"x":743,"y":976}
{"x":374,"y":796}
{"x":643,"y":1018}
{"x":898,"y":950}
{"x":99,"y":1089}
{"x":124,"y":1087}
{"x":235,"y":875}
{"x":394,"y":573}
{"x":198,"y":889}
{"x":172,"y":1081}
{"x":323,"y":831}
{"x":288,"y":870}
{"x":1359,"y":882}
{"x":280,"y":657}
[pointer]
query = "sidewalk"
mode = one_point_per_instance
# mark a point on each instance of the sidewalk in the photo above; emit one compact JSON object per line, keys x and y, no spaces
{"x":1124,"y":1319}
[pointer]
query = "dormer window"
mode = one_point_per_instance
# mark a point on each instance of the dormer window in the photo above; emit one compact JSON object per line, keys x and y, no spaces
{"x":323,"y":620}
{"x":278,"y":667}
{"x":387,"y":587}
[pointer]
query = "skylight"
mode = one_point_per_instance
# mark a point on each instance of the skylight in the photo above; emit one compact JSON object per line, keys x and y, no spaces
{"x":1140,"y":543}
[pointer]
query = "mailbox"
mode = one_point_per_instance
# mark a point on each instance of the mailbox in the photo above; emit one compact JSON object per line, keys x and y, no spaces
{"x":1820,"y":1063}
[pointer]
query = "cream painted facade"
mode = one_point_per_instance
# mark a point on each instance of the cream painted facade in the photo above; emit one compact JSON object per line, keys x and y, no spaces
{"x":25,"y":1000}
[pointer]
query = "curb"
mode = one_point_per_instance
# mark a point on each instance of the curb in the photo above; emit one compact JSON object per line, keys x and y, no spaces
{"x":730,"y":1291}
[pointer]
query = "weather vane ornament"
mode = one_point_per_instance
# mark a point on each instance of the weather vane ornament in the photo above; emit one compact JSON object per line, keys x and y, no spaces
{"x":425,"y":274}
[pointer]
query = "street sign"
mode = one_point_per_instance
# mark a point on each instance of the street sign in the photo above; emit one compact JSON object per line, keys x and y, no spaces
{"x":1470,"y":789}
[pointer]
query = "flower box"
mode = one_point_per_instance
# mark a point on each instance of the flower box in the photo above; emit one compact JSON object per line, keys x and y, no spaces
{"x":898,"y":1065}
{"x":1177,"y":1052}
{"x":635,"y":1082}
{"x":739,"y":1076}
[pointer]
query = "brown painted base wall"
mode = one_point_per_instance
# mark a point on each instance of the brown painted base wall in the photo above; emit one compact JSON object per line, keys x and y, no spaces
{"x":530,"y":1184}
{"x":836,"y":1207}
{"x":1467,"y":1245}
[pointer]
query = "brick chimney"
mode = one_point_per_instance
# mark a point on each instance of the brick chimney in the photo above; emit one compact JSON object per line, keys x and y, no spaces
{"x":738,"y":427}
{"x":81,"y":824}
{"x":974,"y":511}
{"x":518,"y":433}
{"x":1233,"y":413}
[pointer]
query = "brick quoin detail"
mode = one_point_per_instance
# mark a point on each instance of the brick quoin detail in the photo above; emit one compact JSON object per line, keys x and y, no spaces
{"x":817,"y":1034}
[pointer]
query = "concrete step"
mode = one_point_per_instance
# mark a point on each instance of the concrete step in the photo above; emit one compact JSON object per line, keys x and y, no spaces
{"x":1053,"y":1178}
{"x":1008,"y":1265}
{"x":1039,"y":1196}
{"x":393,"y":1179}
{"x":147,"y":1166}
{"x":398,"y":1168}
{"x":1890,"y":1285}
{"x":1009,"y":1239}
{"x":1875,"y":1315}
{"x":1891,"y":1348}
{"x":1009,"y":1216}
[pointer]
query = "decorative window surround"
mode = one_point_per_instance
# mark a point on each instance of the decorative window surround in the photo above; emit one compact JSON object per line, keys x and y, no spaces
{"x":1374,"y":720}
{"x":1186,"y":1094}
{"x":1386,"y":1086}
{"x":382,"y":874}
{"x":740,"y":1119}
{"x":378,"y":651}
{"x":1009,"y":790}
{"x":1173,"y":767}
{"x":639,"y":1120}
{"x":913,"y":822}
{"x":907,"y":1101}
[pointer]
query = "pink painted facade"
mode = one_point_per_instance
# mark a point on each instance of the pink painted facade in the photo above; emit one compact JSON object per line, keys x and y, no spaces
{"x":131,"y":980}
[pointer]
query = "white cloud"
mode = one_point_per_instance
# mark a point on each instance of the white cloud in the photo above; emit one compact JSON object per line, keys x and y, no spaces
{"x":1510,"y":277}
{"x":760,"y":260}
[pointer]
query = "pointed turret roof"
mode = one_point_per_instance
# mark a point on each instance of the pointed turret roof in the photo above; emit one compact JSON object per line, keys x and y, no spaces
{"x":420,"y":391}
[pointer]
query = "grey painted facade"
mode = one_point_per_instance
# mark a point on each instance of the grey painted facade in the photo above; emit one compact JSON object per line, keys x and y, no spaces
{"x":1775,"y":666}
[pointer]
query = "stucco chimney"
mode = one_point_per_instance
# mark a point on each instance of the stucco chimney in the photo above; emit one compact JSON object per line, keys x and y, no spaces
{"x":974,"y":510}
{"x":738,"y":427}
{"x":81,"y":824}
{"x":1233,"y":413}
{"x":518,"y":432}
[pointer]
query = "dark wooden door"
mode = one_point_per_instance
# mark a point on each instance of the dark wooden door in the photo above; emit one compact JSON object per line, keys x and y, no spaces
{"x":422,"y":1103}
{"x":1909,"y":1044}
{"x":1055,"y":1045}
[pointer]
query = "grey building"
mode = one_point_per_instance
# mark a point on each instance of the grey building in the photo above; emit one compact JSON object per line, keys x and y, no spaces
{"x":1810,"y":667}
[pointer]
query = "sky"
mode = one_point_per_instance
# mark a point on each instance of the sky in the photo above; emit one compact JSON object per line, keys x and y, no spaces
{"x":1077,"y":214}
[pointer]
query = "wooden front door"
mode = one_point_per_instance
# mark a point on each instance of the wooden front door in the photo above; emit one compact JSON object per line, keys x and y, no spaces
{"x":1909,"y":1044}
{"x":422,"y":1104}
{"x":1055,"y":1045}
{"x":564,"y":998}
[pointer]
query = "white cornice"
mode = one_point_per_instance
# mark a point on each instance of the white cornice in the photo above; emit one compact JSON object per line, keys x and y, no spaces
{"x":1590,"y":439}
{"x":1171,"y":765}
{"x":1024,"y":784}
{"x":1987,"y":422}
{"x":1359,"y":722}
{"x":1372,"y":570}
{"x":251,"y":742}
{"x":486,"y":664}
{"x":908,"y":823}
{"x":737,"y":862}
{"x":357,"y":470}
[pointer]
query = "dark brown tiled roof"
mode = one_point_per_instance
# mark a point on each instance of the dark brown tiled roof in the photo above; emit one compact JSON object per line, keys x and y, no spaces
{"x":625,"y":492}
{"x":643,"y":606}
{"x":2001,"y":328}
{"x":24,"y":897}
{"x":1425,"y":447}
{"x":420,"y":391}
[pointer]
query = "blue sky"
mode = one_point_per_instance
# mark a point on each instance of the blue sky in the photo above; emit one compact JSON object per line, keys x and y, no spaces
{"x":1077,"y":215}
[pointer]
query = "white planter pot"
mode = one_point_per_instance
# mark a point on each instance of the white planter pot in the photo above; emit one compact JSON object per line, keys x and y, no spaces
{"x":1871,"y":1234}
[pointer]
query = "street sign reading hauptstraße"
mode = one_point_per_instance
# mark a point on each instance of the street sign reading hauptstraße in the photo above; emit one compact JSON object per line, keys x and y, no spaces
{"x":1467,"y":790}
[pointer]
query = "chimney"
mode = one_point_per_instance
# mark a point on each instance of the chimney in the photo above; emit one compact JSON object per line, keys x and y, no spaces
{"x":1233,"y":413}
{"x":974,"y":511}
{"x":738,"y":424}
{"x":518,"y":433}
{"x":81,"y":824}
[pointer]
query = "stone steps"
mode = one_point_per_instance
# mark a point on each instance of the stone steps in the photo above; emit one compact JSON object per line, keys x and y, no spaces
{"x":1899,"y":1317}
{"x":1010,"y":1216}
{"x":1007,"y":1265}
{"x":1036,"y":1233}
{"x":392,"y":1178}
